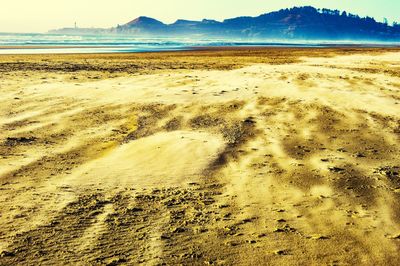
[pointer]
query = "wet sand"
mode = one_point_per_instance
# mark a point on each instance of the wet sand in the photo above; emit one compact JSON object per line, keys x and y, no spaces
{"x":277,"y":156}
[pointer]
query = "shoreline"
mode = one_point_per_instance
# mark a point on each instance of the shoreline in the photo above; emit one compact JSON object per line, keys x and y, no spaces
{"x":210,"y":58}
{"x":126,"y":49}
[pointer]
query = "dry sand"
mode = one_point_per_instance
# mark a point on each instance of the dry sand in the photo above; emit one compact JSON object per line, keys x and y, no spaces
{"x":239,"y":156}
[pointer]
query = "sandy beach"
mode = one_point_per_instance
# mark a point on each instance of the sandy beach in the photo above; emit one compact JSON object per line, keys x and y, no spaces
{"x":245,"y":156}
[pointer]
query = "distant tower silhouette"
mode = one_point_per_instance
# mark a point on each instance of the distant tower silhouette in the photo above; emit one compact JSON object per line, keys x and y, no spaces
{"x":76,"y":25}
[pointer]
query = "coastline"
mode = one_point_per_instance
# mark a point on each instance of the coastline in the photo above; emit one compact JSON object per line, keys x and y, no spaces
{"x":205,"y":58}
{"x":126,"y":49}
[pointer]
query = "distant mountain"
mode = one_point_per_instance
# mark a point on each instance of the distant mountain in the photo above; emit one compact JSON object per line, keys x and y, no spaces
{"x":302,"y":23}
{"x":143,"y":25}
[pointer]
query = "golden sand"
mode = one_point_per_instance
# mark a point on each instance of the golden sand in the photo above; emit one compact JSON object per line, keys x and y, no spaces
{"x":240,"y":156}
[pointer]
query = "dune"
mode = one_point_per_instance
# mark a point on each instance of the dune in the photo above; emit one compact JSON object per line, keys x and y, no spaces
{"x":164,"y":159}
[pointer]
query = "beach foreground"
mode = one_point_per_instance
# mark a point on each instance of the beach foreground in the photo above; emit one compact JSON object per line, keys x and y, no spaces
{"x":245,"y":156}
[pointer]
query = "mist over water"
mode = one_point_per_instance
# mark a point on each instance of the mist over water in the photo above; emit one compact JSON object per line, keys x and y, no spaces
{"x":53,"y":43}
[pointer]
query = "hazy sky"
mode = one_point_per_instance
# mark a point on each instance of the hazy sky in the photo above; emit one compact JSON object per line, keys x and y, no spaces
{"x":42,"y":15}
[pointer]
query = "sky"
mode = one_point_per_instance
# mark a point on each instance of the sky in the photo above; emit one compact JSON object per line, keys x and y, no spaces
{"x":43,"y":15}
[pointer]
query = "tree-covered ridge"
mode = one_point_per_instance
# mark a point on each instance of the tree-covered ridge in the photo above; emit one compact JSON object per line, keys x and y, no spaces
{"x":303,"y":23}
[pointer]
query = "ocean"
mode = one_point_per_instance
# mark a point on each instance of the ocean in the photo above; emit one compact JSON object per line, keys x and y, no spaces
{"x":35,"y":43}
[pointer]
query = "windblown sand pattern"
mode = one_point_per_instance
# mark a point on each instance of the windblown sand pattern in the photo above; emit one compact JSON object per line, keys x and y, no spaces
{"x":264,"y":156}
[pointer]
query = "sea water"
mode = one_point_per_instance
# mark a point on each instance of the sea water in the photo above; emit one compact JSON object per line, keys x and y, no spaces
{"x":35,"y":43}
